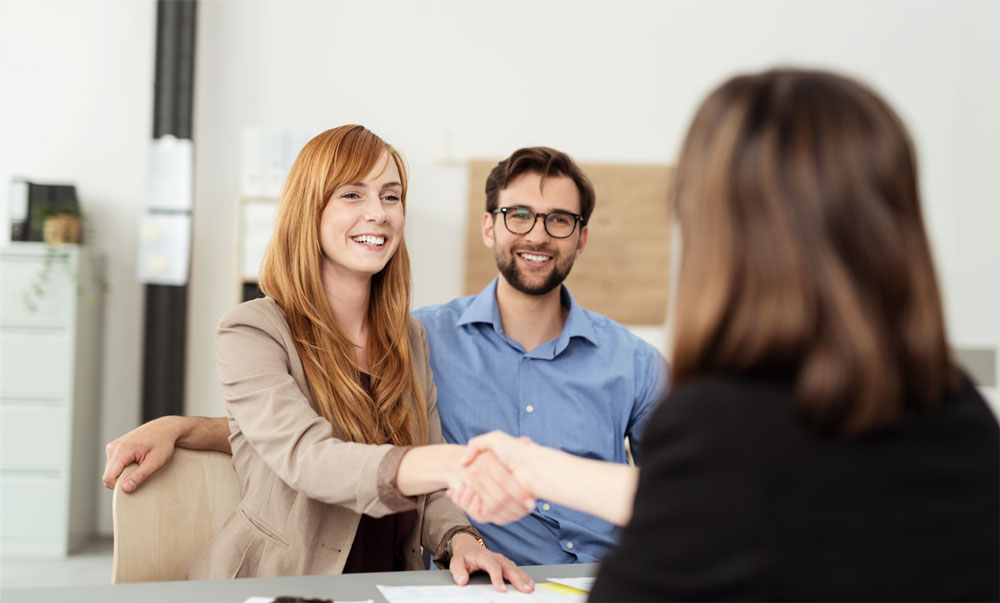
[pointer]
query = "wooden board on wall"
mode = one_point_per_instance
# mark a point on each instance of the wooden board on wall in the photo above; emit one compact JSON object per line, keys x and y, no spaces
{"x":623,"y":272}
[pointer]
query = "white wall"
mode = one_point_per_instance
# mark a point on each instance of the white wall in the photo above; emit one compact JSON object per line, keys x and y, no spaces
{"x":76,"y":83}
{"x":604,"y":81}
{"x":972,"y":276}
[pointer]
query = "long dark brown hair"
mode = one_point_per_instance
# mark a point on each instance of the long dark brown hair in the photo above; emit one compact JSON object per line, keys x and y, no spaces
{"x":804,"y":252}
{"x":290,"y":273}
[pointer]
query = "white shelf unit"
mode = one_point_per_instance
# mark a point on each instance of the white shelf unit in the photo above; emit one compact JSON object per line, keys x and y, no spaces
{"x":50,"y":368}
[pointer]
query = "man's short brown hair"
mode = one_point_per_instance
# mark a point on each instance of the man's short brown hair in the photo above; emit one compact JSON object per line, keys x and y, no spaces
{"x":539,"y":160}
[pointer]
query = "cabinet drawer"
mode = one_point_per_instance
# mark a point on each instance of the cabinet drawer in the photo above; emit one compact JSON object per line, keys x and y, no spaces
{"x":35,"y":364}
{"x":53,"y":307}
{"x":32,"y":436}
{"x":33,"y":510}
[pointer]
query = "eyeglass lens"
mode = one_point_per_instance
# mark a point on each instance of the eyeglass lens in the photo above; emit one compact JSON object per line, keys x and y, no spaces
{"x":558,"y":224}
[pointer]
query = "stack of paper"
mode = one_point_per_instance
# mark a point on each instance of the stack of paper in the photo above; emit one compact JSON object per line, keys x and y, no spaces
{"x":557,"y":590}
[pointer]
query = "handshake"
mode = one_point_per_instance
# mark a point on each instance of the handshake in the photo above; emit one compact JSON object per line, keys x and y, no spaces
{"x":498,"y":478}
{"x":501,"y":477}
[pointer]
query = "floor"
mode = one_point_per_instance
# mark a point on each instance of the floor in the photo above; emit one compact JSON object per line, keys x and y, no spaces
{"x":92,"y":565}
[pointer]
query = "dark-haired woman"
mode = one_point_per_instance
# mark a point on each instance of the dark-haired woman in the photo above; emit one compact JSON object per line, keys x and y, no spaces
{"x":819,"y":442}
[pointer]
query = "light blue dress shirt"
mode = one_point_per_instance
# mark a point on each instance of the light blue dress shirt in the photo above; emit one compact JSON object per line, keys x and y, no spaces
{"x":582,"y":392}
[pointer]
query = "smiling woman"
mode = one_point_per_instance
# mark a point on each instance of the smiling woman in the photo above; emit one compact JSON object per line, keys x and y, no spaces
{"x":328,"y":376}
{"x":343,"y":180}
{"x":362,"y":224}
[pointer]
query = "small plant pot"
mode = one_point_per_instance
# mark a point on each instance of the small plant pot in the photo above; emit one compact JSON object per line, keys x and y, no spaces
{"x":61,"y":228}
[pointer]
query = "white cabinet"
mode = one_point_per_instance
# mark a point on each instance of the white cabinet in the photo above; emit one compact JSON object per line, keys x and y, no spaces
{"x":50,"y":367}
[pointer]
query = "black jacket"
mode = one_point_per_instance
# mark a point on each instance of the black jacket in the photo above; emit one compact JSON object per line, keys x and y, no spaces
{"x":739,"y":500}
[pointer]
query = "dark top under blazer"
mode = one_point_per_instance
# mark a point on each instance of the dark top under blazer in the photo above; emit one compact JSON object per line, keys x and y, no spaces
{"x":738,"y":500}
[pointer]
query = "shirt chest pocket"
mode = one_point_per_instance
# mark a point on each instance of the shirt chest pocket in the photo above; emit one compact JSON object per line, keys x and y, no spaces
{"x":580,"y":426}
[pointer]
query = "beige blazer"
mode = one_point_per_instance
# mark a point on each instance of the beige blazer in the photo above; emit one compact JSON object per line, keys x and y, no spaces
{"x":303,"y":489}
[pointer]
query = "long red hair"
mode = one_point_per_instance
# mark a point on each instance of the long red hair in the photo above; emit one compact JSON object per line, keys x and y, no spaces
{"x":290,"y":274}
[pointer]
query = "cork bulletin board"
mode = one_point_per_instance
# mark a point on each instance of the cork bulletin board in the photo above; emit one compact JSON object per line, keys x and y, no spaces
{"x":623,"y":271}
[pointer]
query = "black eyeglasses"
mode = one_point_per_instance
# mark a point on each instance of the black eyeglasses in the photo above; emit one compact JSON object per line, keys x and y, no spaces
{"x":520,"y":221}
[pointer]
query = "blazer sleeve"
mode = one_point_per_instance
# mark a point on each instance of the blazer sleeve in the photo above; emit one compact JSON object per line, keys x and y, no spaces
{"x":253,"y":348}
{"x":442,"y":518}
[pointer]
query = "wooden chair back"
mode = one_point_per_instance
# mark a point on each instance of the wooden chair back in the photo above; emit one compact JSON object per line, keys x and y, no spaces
{"x":172,"y":515}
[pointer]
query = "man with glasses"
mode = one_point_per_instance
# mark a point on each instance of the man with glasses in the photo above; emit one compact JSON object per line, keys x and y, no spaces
{"x":522,"y":357}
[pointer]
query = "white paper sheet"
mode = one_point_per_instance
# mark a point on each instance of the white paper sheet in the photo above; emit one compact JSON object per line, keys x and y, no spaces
{"x":271,"y":600}
{"x":164,"y":249}
{"x":267,"y":154}
{"x":169,"y":182}
{"x":258,"y":223}
{"x":478,"y":593}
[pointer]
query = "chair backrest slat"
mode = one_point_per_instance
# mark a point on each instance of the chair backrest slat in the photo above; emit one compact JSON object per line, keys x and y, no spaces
{"x":172,"y":515}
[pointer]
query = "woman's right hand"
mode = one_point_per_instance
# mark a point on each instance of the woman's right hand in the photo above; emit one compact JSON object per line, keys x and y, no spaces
{"x":514,"y":454}
{"x":424,"y":469}
{"x":600,"y":488}
{"x":501,"y":497}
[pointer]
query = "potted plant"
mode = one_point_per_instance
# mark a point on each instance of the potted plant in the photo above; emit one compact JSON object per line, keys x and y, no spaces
{"x":60,"y":223}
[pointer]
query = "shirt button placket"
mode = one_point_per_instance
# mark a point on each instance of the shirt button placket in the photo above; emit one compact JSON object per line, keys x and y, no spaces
{"x":525,"y":392}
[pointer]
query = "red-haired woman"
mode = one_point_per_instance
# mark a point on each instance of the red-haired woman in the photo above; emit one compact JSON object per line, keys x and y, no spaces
{"x":819,"y":442}
{"x":329,"y":392}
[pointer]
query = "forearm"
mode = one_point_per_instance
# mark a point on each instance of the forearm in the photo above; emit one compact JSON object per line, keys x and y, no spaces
{"x":152,"y":444}
{"x":426,"y":469}
{"x":202,"y":433}
{"x":600,"y":488}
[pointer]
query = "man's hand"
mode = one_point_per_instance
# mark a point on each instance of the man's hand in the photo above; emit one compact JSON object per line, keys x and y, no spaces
{"x":469,"y":556}
{"x":150,"y":445}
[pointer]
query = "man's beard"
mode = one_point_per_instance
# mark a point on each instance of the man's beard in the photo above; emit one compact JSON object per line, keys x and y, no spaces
{"x":507,"y":263}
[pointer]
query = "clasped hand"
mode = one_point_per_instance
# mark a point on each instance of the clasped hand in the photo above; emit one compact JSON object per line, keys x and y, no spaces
{"x":494,"y":485}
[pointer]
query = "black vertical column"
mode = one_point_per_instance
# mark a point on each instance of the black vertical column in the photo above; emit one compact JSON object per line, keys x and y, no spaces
{"x":166,"y":305}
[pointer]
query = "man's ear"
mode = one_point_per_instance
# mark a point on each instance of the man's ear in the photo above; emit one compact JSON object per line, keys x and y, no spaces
{"x":488,"y":223}
{"x":584,"y":231}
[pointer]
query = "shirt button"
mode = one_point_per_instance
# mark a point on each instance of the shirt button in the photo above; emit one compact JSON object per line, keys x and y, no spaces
{"x":529,"y":408}
{"x":569,"y":545}
{"x":546,"y":507}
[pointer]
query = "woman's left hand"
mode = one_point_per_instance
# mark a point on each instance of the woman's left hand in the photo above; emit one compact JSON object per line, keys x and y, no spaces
{"x":468,"y":556}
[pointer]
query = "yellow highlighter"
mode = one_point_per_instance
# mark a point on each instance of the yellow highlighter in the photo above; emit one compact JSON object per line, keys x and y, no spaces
{"x":562,"y":589}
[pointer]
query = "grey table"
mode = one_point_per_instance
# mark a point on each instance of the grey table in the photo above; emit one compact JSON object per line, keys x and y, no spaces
{"x":350,"y":587}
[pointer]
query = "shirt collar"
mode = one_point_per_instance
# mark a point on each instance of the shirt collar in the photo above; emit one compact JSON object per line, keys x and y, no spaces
{"x":484,"y":309}
{"x":577,"y":323}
